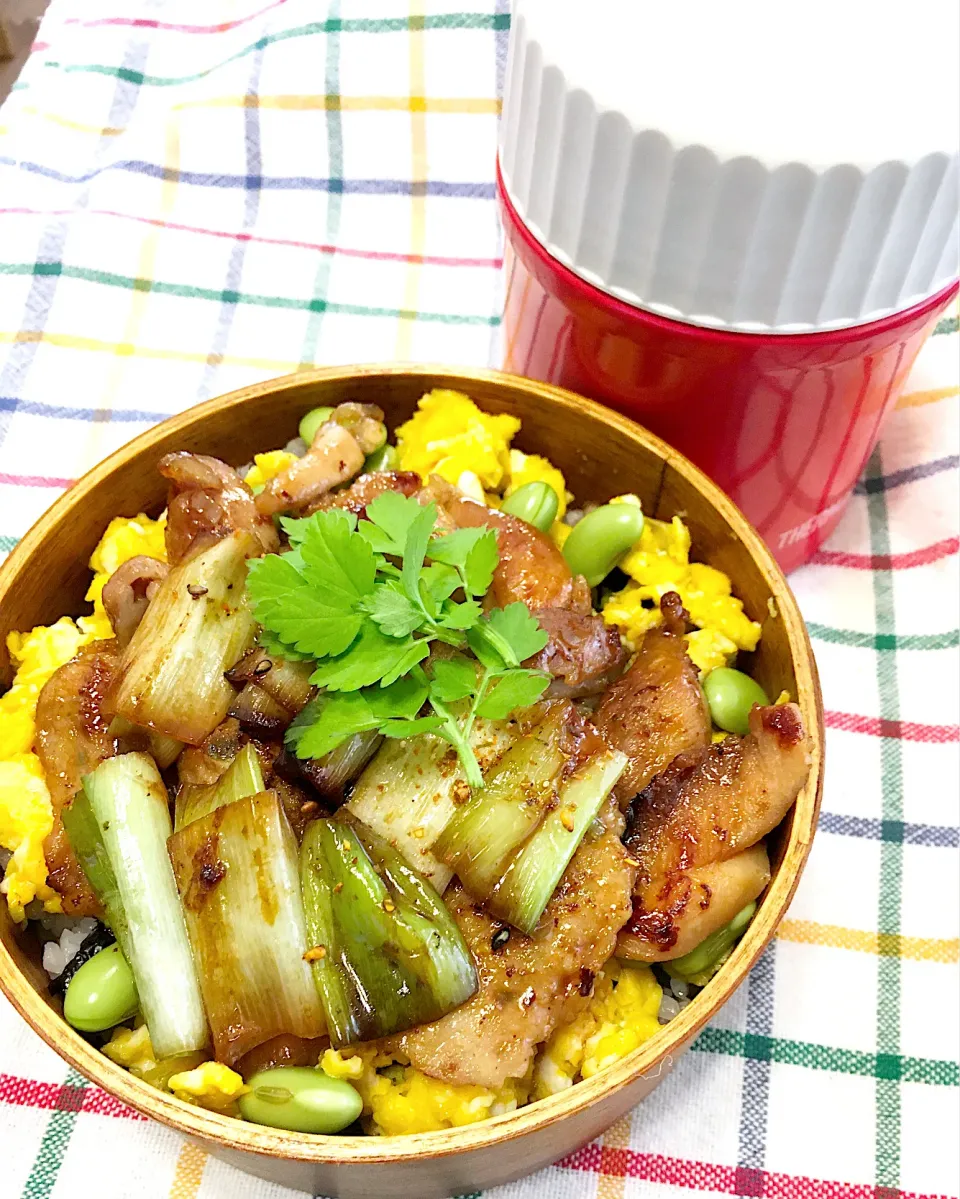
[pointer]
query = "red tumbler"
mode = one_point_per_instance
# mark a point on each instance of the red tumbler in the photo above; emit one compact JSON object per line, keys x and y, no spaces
{"x":754,"y":292}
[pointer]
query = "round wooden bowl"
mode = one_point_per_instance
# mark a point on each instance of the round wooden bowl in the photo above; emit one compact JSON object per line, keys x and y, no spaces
{"x":602,"y":454}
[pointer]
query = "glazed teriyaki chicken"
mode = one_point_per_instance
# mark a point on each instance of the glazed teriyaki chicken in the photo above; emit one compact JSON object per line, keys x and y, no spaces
{"x":371,"y":782}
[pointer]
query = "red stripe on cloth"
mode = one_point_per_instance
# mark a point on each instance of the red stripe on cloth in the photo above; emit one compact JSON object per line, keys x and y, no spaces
{"x":729,"y":1180}
{"x":376,"y":255}
{"x":25,"y":1092}
{"x":900,"y":730}
{"x":35,"y":480}
{"x":141,"y":23}
{"x":99,"y":1103}
{"x":921,"y":557}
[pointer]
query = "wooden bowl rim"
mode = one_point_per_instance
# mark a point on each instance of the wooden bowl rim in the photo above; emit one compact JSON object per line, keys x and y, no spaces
{"x":654,"y":1055}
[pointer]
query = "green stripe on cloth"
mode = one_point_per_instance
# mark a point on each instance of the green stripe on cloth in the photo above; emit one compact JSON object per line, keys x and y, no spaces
{"x":884,"y":641}
{"x":189,"y":291}
{"x":823,"y":1057}
{"x":334,"y":127}
{"x":492,"y":21}
{"x":949,"y":324}
{"x":56,"y":1138}
{"x":888,"y":1099}
{"x":7,"y":543}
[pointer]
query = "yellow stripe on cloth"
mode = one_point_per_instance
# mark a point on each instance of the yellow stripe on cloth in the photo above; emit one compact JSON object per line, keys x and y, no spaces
{"x":916,"y":399}
{"x":462,"y":106}
{"x":612,"y":1181}
{"x":917,"y":949}
{"x":55,"y":118}
{"x":95,"y":345}
{"x":189,"y":1172}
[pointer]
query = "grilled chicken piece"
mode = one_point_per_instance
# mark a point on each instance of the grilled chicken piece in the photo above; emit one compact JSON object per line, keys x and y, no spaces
{"x":208,"y":501}
{"x":706,"y":898}
{"x":128,"y":591}
{"x":707,"y":807}
{"x":365,"y":490}
{"x":657,"y":710}
{"x":532,"y":984}
{"x":336,"y":454}
{"x":73,"y":739}
{"x":583,"y":654}
{"x":531,"y":567}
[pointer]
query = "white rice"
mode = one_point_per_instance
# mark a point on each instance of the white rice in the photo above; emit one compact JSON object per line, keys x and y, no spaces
{"x":669,"y":1007}
{"x":58,"y":954}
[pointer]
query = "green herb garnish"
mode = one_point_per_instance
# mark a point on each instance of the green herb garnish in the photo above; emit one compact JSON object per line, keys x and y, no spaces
{"x":366,"y":600}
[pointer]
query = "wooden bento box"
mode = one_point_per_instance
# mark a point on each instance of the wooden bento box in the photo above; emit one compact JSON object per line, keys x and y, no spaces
{"x":601,"y":454}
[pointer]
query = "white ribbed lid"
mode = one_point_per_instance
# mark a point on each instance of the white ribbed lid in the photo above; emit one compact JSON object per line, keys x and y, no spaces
{"x":755,"y":165}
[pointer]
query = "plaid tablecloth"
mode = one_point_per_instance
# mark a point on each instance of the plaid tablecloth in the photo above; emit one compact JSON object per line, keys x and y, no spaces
{"x":195,"y":197}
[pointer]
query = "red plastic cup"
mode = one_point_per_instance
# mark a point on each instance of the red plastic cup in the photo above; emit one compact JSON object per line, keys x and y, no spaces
{"x":784,"y":423}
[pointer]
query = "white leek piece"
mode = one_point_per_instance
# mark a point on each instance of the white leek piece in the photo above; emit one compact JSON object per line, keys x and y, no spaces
{"x":197,"y":626}
{"x":412,"y":788}
{"x":238,"y":873}
{"x":128,"y":801}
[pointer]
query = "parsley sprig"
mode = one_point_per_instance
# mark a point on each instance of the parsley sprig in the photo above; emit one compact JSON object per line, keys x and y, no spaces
{"x":365,"y":600}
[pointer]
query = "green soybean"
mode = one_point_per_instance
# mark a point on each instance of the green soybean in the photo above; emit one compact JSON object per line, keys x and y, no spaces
{"x":310,"y":423}
{"x":536,"y":503}
{"x":102,"y":993}
{"x":731,"y":694}
{"x":383,"y":459}
{"x":300,"y":1099}
{"x":600,"y":540}
{"x":709,"y":953}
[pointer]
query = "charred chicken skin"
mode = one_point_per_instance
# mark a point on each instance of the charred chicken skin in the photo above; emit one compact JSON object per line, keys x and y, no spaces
{"x":707,"y":809}
{"x":656,"y":710}
{"x":72,"y":739}
{"x":208,"y":501}
{"x":336,"y":454}
{"x":530,"y":985}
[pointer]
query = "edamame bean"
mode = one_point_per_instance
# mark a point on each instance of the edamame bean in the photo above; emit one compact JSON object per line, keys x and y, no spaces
{"x":383,"y":459}
{"x":301,"y":1099}
{"x":600,"y":540}
{"x":731,"y":694}
{"x":536,"y":503}
{"x":102,"y":993}
{"x":310,"y":423}
{"x":708,"y":953}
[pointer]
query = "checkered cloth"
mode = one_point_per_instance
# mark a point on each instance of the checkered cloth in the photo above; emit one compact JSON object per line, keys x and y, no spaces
{"x":196,"y":197}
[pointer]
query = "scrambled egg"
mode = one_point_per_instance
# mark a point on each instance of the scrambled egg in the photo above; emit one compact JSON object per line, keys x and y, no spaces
{"x":449,"y":435}
{"x":266,"y":467}
{"x":398,"y":1099}
{"x":131,"y":1047}
{"x":211,"y":1085}
{"x":26,"y":815}
{"x":621,"y":1015}
{"x":660,"y":562}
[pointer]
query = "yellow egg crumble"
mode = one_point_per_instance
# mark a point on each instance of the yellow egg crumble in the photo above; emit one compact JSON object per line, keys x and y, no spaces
{"x":451,"y":437}
{"x":398,"y":1099}
{"x":26,"y":815}
{"x":621,"y":1015}
{"x":660,"y":562}
{"x":211,"y":1085}
{"x":267,"y":466}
